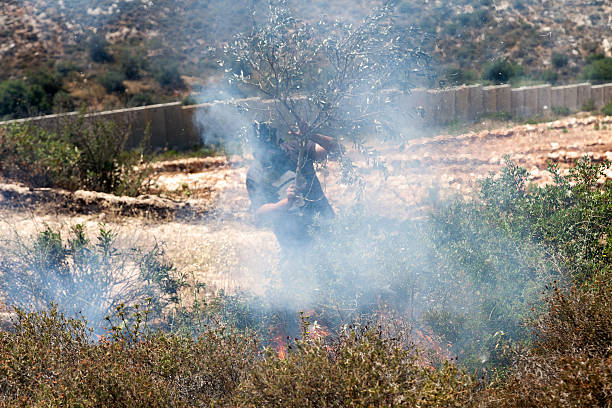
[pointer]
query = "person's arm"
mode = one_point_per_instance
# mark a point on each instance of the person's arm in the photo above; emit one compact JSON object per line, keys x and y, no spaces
{"x":325,"y":146}
{"x":278,"y":208}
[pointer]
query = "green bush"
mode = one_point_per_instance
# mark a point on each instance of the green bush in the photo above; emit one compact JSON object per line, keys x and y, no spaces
{"x":607,"y":110}
{"x":84,"y":153}
{"x":550,"y":77}
{"x":598,"y":71}
{"x":141,"y":99}
{"x":98,"y":49}
{"x":84,"y":277}
{"x":458,"y":76}
{"x":14,"y":100}
{"x":131,"y":65}
{"x":559,"y":60}
{"x":361,"y":370}
{"x":169,"y":77}
{"x":501,"y":71}
{"x":112,"y":81}
{"x":37,"y":157}
{"x":51,"y":360}
{"x":35,"y":96}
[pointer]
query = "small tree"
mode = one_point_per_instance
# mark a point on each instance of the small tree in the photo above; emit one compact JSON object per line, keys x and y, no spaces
{"x":328,"y":76}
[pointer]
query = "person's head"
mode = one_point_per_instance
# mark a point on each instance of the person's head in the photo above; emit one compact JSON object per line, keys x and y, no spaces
{"x":265,"y":142}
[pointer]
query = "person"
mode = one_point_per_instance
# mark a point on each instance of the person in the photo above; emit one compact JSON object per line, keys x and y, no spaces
{"x":281,"y":195}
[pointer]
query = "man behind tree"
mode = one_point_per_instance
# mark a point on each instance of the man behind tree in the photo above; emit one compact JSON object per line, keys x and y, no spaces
{"x":280,"y":194}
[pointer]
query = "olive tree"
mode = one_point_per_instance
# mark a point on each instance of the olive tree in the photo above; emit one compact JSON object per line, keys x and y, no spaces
{"x":329,"y":76}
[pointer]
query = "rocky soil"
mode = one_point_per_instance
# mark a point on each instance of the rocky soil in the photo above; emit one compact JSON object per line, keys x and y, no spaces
{"x":200,"y":211}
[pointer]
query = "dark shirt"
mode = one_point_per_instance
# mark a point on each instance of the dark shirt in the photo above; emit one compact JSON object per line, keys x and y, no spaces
{"x":267,"y":182}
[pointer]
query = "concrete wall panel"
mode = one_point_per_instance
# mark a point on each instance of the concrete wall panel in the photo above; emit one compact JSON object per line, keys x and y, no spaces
{"x":544,"y":99}
{"x":607,"y":94}
{"x":584,"y":95}
{"x":597,"y":94}
{"x":518,"y":102}
{"x":504,"y":99}
{"x":462,"y":102}
{"x":489,"y":99}
{"x":476,"y":102}
{"x":570,"y":97}
{"x":530,"y":103}
{"x":557,"y":97}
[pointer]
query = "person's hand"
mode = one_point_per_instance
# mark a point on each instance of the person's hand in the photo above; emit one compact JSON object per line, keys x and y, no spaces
{"x":291,"y":193}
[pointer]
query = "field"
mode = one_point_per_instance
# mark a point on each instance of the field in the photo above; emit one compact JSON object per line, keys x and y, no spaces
{"x":215,"y":238}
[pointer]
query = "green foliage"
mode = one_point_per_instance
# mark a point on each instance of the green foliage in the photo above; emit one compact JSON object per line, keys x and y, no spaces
{"x":13,"y":99}
{"x":82,"y":276}
{"x":471,"y":272}
{"x":189,"y":100}
{"x":35,"y":96}
{"x":598,"y":70}
{"x":501,"y":71}
{"x":85,"y":153}
{"x":560,"y":110}
{"x":570,"y":364}
{"x":549,"y":77}
{"x":607,"y":110}
{"x":50,"y":360}
{"x":105,"y":163}
{"x":559,"y":60}
{"x":286,"y":58}
{"x":457,"y":76}
{"x":168,"y":76}
{"x":37,"y":157}
{"x":141,"y":99}
{"x":361,"y":370}
{"x":98,"y":49}
{"x":112,"y":81}
{"x":132,"y":65}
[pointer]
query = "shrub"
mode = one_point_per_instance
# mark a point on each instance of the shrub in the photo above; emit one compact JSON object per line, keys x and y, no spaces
{"x":63,"y":102}
{"x":51,"y":360}
{"x":360,"y":370}
{"x":97,"y":49}
{"x":560,"y":110}
{"x":549,"y":77}
{"x":13,"y":99}
{"x":501,"y":71}
{"x":112,"y":81}
{"x":559,"y":60}
{"x":189,"y":100}
{"x":589,"y":106}
{"x":131,"y":65}
{"x":598,"y":71}
{"x":37,"y":157}
{"x":35,"y":96}
{"x":607,"y":110}
{"x":458,"y":76}
{"x":169,"y":77}
{"x":85,"y":153}
{"x":84,"y":277}
{"x":141,"y":99}
{"x":570,"y":364}
{"x":105,"y":164}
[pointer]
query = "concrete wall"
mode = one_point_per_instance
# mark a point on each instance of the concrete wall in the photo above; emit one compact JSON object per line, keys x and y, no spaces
{"x":175,"y":126}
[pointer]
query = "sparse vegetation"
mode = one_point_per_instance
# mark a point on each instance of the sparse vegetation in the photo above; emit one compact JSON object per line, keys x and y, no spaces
{"x":599,"y":70}
{"x":500,"y":250}
{"x":502,"y":71}
{"x":81,"y":154}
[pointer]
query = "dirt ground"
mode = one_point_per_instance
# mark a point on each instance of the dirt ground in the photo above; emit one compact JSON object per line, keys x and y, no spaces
{"x":224,"y":248}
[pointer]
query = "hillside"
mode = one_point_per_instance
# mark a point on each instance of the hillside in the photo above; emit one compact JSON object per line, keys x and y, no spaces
{"x":155,"y":40}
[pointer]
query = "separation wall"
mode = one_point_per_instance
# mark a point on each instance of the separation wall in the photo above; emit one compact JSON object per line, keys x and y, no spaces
{"x":175,"y":126}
